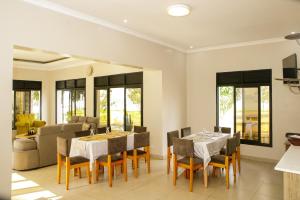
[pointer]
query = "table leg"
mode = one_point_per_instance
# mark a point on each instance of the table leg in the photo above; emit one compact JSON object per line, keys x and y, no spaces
{"x":94,"y":180}
{"x":205,"y":177}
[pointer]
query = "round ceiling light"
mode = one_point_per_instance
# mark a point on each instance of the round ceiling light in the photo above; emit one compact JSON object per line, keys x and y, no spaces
{"x":178,"y":10}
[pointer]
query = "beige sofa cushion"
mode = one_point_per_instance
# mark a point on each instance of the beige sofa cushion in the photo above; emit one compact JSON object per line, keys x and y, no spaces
{"x":74,"y":119}
{"x":86,"y":127}
{"x":81,"y":119}
{"x":24,"y":144}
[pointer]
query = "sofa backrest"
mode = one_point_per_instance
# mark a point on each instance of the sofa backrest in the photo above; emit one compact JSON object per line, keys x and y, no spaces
{"x":46,"y":143}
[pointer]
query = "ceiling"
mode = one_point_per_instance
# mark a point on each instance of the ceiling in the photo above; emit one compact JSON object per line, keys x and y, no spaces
{"x":211,"y":22}
{"x":43,"y":60}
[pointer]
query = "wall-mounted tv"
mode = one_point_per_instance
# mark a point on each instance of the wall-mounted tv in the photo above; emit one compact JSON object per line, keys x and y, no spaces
{"x":290,"y":71}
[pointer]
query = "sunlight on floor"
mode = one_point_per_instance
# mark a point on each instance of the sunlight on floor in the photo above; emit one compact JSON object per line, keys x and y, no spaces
{"x":23,"y":189}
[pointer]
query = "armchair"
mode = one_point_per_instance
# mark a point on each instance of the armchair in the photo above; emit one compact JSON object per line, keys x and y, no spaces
{"x":26,"y":121}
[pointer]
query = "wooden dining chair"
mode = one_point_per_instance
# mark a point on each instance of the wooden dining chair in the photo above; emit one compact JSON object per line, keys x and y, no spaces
{"x":141,"y":140}
{"x":238,"y":150}
{"x":223,"y":129}
{"x":185,"y":148}
{"x":186,"y":131}
{"x":116,"y":155}
{"x":82,"y":133}
{"x":139,"y":129}
{"x":102,"y":130}
{"x":223,"y":161}
{"x":170,"y":136}
{"x":63,"y":157}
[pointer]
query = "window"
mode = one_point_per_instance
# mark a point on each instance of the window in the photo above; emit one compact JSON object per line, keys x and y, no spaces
{"x":70,"y":99}
{"x":244,"y":105}
{"x":26,"y":99}
{"x":118,"y":100}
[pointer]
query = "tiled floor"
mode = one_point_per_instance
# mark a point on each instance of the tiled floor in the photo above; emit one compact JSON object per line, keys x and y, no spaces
{"x":258,"y":181}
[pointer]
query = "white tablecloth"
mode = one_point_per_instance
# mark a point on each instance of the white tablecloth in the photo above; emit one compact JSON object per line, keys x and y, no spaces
{"x":93,"y":149}
{"x":208,"y":144}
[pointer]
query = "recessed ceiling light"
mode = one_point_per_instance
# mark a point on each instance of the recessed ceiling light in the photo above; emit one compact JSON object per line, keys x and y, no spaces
{"x":178,"y":10}
{"x":293,"y":32}
{"x":191,"y":47}
{"x":125,"y":21}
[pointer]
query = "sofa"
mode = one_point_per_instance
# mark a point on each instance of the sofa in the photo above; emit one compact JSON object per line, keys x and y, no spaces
{"x":93,"y":122}
{"x":24,"y":122}
{"x":42,"y":150}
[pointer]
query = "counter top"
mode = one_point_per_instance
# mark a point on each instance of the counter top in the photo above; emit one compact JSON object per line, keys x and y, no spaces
{"x":290,"y":161}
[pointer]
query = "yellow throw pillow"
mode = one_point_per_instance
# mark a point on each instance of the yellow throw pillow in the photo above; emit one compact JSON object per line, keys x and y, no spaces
{"x":86,"y":126}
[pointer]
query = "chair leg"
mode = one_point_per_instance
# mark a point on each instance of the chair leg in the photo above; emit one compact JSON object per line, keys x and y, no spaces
{"x":135,"y":161}
{"x":174,"y":169}
{"x":109,"y":171}
{"x":125,"y":165}
{"x":58,"y":168}
{"x":88,"y":173}
{"x":191,"y":174}
{"x":97,"y":170}
{"x":79,"y":172}
{"x":148,"y":159}
{"x":227,"y":172}
{"x":234,"y":166}
{"x":239,"y":159}
{"x":67,"y":173}
{"x":168,"y":160}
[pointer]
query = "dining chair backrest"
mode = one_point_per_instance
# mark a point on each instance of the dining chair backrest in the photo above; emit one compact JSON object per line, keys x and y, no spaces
{"x":116,"y":145}
{"x":231,"y":146}
{"x":139,"y":129}
{"x":238,"y":138}
{"x":101,"y":130}
{"x":183,"y":147}
{"x":223,"y":129}
{"x":141,"y":140}
{"x":82,"y":133}
{"x":186,"y":131}
{"x":62,"y":146}
{"x":170,"y":136}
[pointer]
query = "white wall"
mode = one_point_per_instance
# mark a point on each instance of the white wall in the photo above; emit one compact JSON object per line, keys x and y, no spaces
{"x":43,"y":29}
{"x":201,"y":89}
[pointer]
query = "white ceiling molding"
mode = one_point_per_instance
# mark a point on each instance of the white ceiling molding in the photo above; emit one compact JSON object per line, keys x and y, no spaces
{"x":234,"y":45}
{"x":79,"y":15}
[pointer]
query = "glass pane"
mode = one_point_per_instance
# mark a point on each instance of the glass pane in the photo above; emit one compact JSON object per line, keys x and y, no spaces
{"x":80,"y":103}
{"x":13,"y":109}
{"x":133,"y":107}
{"x":247,"y":112}
{"x":66,"y":106}
{"x":59,"y":107}
{"x":226,"y":106}
{"x":102,"y":107}
{"x":117,"y":108}
{"x":22,"y":102}
{"x":265,"y":114}
{"x":36,"y":103}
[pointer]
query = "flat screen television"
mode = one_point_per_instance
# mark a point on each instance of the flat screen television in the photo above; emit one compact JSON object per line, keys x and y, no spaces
{"x":290,"y":72}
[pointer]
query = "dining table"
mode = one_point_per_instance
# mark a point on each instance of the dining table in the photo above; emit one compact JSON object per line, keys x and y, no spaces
{"x":94,"y":146}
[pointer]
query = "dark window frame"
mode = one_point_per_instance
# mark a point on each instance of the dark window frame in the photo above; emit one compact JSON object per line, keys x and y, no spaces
{"x":71,"y":89}
{"x":138,"y":83}
{"x":35,"y":86}
{"x":240,"y":84}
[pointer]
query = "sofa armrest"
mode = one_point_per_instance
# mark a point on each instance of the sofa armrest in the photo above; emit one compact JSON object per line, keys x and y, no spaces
{"x":38,"y":123}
